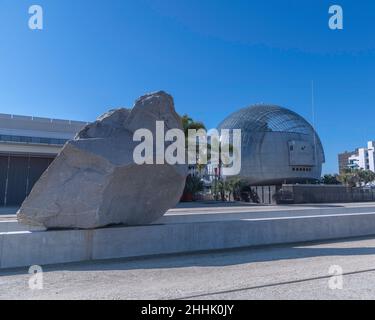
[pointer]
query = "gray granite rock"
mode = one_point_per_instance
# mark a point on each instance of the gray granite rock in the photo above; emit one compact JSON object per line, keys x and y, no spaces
{"x":94,"y":181}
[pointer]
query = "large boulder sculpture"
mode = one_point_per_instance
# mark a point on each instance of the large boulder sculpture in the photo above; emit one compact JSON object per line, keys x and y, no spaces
{"x":95,"y":182}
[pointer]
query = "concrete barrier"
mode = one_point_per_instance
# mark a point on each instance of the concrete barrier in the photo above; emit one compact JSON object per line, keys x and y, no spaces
{"x":13,"y":226}
{"x":304,"y":193}
{"x":26,"y":248}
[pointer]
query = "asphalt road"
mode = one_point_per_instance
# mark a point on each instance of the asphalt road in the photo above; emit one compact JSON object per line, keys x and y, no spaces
{"x":283,"y":272}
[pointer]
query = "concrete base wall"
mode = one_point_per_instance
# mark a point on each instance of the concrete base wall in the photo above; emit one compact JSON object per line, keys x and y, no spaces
{"x":299,"y":194}
{"x":26,"y":248}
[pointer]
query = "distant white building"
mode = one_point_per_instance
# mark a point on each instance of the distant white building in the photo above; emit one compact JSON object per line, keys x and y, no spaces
{"x":363,"y":158}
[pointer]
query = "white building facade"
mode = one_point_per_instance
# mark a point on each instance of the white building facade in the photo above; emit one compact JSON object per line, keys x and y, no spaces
{"x":363,"y":158}
{"x":27,"y":147}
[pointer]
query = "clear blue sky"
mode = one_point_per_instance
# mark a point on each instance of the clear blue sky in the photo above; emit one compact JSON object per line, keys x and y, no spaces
{"x":213,"y":56}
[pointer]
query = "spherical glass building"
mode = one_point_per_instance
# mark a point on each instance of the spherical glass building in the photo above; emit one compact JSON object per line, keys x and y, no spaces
{"x":278,"y":146}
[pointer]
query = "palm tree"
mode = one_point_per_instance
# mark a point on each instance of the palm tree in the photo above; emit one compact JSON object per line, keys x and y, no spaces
{"x":219,"y":184}
{"x":365,"y":176}
{"x":235,"y":187}
{"x":226,"y":146}
{"x":349,"y":178}
{"x":189,"y":124}
{"x":193,"y":184}
{"x":356,"y":177}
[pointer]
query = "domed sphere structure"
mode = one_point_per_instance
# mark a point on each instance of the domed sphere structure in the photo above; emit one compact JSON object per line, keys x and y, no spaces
{"x":278,"y":145}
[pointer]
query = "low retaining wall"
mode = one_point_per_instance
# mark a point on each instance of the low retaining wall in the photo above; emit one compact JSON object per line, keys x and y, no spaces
{"x":13,"y":225}
{"x":26,"y":248}
{"x":299,"y":194}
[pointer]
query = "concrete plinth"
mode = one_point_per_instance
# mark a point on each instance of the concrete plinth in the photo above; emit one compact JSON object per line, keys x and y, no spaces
{"x":182,"y":233}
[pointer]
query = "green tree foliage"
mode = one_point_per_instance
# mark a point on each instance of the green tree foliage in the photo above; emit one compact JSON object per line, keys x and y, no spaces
{"x":365,"y":176}
{"x":229,"y":187}
{"x":188,"y":124}
{"x":193,"y":185}
{"x":356,"y":177}
{"x":330,"y":179}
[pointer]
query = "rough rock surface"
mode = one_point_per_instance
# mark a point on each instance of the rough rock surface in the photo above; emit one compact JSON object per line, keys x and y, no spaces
{"x":94,"y":181}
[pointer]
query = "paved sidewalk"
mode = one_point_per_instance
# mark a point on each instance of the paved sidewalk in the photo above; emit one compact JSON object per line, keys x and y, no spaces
{"x":282,"y":272}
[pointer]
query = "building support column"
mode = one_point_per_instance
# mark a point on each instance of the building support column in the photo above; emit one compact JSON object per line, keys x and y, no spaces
{"x":6,"y":182}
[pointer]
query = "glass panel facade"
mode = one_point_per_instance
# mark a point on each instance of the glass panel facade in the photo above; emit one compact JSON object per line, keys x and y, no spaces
{"x":33,"y":140}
